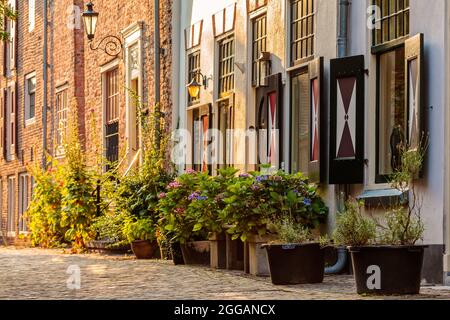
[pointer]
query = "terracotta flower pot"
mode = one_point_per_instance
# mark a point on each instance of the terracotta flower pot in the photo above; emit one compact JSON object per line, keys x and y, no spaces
{"x":144,"y":249}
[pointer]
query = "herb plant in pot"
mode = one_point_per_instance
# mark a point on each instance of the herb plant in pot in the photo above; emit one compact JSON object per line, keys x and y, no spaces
{"x":141,"y":233}
{"x":385,"y":256}
{"x":296,"y":257}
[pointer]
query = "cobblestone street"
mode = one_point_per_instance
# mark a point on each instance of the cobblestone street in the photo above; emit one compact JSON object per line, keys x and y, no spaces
{"x":42,"y":274}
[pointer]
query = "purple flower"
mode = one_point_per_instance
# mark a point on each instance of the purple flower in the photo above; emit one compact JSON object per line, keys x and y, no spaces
{"x":202,"y":198}
{"x":191,"y":171}
{"x":162,"y":195}
{"x":256,"y":187}
{"x":193,"y":196}
{"x":296,"y":192}
{"x":244,"y":175}
{"x":307,"y":202}
{"x":262,"y":178}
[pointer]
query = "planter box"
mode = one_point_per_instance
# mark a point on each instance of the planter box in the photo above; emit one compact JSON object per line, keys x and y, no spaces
{"x":256,"y":261}
{"x":175,"y":253}
{"x":196,"y":253}
{"x":385,"y":270}
{"x":296,"y":263}
{"x":218,"y":251}
{"x":101,"y":246}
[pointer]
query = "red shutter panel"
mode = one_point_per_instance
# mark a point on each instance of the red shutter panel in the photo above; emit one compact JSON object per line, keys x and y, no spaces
{"x":269,"y":114}
{"x":16,"y":120}
{"x":347,"y":121}
{"x":316,"y":122}
{"x":414,"y":94}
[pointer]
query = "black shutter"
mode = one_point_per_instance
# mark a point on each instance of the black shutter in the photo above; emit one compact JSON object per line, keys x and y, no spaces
{"x":316,"y":122}
{"x":414,"y":89}
{"x":347,"y":121}
{"x":269,"y":104}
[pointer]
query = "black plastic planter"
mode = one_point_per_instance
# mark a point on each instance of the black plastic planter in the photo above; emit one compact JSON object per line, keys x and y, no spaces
{"x":177,"y":255}
{"x":387,"y":270}
{"x":296,"y":263}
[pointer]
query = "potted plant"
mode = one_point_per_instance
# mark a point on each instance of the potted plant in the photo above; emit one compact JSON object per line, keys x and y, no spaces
{"x":205,"y":210}
{"x":385,"y":256}
{"x":179,"y":224}
{"x":296,"y":257}
{"x":141,"y":233}
{"x":254,"y":200}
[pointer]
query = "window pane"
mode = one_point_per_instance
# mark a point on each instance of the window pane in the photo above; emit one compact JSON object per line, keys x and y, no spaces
{"x":300,"y":122}
{"x":392,"y":115}
{"x":302,"y":29}
{"x":394,"y":20}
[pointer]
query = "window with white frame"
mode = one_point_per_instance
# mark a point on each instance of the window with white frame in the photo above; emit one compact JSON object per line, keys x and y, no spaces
{"x":112,"y":101}
{"x":302,"y":29}
{"x":226,"y":66}
{"x":62,"y":109}
{"x":10,"y":46}
{"x":24,"y":200}
{"x":31,"y":15}
{"x":30,"y":98}
{"x":11,"y":121}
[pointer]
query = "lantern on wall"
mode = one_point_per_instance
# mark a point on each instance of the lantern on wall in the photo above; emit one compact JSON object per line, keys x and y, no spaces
{"x":264,"y":69}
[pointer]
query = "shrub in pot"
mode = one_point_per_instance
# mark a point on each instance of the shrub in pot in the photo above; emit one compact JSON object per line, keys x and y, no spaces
{"x":296,"y":257}
{"x":385,"y":256}
{"x":141,"y":233}
{"x":179,"y":224}
{"x":254,"y":200}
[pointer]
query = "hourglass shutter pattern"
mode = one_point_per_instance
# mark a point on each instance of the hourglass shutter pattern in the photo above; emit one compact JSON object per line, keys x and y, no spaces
{"x":347,"y":120}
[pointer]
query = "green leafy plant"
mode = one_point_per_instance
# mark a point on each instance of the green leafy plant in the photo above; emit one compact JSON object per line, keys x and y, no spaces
{"x":109,"y":227}
{"x":178,"y":223}
{"x":255,"y":200}
{"x":353,"y":228}
{"x":78,"y":201}
{"x":139,"y":229}
{"x":289,"y":232}
{"x":403,"y":225}
{"x":6,"y":13}
{"x":45,"y":211}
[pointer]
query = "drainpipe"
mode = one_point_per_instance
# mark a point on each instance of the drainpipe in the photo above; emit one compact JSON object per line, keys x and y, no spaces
{"x":157,"y":76}
{"x":446,"y":267}
{"x":45,"y":79}
{"x":343,"y":190}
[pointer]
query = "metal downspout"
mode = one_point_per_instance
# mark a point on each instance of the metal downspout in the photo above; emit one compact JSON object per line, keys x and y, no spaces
{"x":342,"y":48}
{"x":45,"y":79}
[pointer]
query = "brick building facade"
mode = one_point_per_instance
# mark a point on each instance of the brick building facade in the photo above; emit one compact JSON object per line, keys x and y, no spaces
{"x":93,"y":82}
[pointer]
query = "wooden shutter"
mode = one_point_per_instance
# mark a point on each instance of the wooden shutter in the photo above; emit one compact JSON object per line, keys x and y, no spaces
{"x":316,"y":122}
{"x":269,"y":114}
{"x":14,"y":34}
{"x":205,"y":125}
{"x":347,"y":121}
{"x":13,"y":120}
{"x":414,"y":86}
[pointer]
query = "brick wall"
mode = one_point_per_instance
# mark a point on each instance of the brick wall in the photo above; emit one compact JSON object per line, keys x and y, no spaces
{"x":73,"y":65}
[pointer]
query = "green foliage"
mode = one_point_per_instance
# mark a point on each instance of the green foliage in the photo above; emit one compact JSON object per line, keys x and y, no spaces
{"x":109,"y":227}
{"x":78,"y":201}
{"x":401,"y":229}
{"x":353,"y":228}
{"x":139,"y":229}
{"x":403,"y":225}
{"x":253,"y":201}
{"x":44,"y":213}
{"x":5,"y":13}
{"x":178,"y":223}
{"x":292,"y":233}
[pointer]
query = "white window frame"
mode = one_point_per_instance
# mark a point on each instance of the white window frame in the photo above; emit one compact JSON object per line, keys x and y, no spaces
{"x":28,"y":119}
{"x":24,"y":201}
{"x":31,"y":15}
{"x":11,"y":216}
{"x":59,"y":152}
{"x":133,"y":37}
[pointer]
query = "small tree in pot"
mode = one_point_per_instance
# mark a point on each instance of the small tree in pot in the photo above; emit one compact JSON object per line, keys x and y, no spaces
{"x":141,"y":233}
{"x":385,"y":257}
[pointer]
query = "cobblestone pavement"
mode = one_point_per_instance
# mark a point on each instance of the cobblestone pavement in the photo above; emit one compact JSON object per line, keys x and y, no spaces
{"x":41,"y":274}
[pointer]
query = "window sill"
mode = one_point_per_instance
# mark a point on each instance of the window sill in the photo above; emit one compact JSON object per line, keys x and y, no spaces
{"x":382,"y":197}
{"x":30,"y":122}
